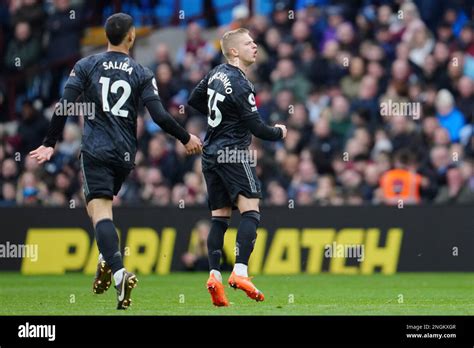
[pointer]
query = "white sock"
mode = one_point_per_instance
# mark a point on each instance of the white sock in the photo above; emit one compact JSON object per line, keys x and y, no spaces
{"x":240,"y":269}
{"x":118,"y":276}
{"x":217,"y":274}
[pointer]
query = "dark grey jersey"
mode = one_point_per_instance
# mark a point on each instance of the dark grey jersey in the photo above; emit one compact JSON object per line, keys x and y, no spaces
{"x":113,"y":83}
{"x":228,"y":98}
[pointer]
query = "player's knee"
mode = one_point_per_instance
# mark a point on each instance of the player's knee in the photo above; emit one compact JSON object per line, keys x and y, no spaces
{"x":226,"y":211}
{"x":216,"y":234}
{"x":89,"y":211}
{"x":99,"y":216}
{"x":100,"y":209}
{"x":247,"y":204}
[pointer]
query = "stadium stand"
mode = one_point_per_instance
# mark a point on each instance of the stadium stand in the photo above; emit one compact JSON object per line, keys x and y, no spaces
{"x":374,"y":94}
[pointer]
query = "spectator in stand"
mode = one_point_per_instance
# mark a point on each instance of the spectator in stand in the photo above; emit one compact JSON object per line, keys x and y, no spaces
{"x":457,"y":189}
{"x":167,"y":85}
{"x":31,"y":191}
{"x":280,"y":18}
{"x":64,"y":30}
{"x":324,"y":144}
{"x":301,"y":37}
{"x":24,"y":50}
{"x":151,"y":180}
{"x":161,"y":155}
{"x":286,"y":77}
{"x":162,"y":55}
{"x":367,"y":99}
{"x":350,"y":84}
{"x":346,"y":38}
{"x":240,"y":17}
{"x":440,"y":159}
{"x":411,"y":22}
{"x":448,"y":115}
{"x":30,"y":11}
{"x":421,"y":45}
{"x":9,"y":171}
{"x":32,"y":129}
{"x":326,"y":191}
{"x":402,"y":184}
{"x":276,"y":194}
{"x":325,"y":73}
{"x":466,"y":39}
{"x":195,"y":49}
{"x":8,"y":195}
{"x":465,"y":99}
{"x":196,"y":258}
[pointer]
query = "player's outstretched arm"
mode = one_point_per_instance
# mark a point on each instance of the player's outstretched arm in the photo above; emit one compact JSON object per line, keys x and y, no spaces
{"x":56,"y":127}
{"x":244,"y":101}
{"x":162,"y":118}
{"x":262,"y":131}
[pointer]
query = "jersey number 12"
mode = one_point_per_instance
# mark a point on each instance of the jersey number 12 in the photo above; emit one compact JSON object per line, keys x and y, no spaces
{"x":116,"y":109}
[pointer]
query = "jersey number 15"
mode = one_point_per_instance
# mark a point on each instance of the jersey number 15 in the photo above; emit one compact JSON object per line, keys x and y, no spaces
{"x":215,"y":116}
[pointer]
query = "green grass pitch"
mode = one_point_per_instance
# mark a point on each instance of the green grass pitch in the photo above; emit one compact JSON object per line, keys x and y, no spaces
{"x":185,"y":294}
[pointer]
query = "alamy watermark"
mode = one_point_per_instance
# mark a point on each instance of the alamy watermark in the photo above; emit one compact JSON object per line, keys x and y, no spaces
{"x":66,"y":108}
{"x":229,"y":155}
{"x":344,"y":251}
{"x":37,"y":331}
{"x":393,"y":108}
{"x":20,"y":251}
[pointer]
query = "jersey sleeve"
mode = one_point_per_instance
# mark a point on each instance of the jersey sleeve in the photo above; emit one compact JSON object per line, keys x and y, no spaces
{"x":244,"y":100}
{"x":58,"y":121}
{"x":149,"y":87}
{"x":250,"y":118}
{"x":78,"y":76}
{"x":198,"y":97}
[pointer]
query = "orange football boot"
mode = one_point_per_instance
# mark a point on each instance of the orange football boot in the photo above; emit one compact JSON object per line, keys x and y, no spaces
{"x":216,"y":289}
{"x":245,"y":284}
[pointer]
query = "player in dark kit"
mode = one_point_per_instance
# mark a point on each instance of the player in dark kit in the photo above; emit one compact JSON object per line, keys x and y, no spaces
{"x":228,"y":98}
{"x":113,"y":83}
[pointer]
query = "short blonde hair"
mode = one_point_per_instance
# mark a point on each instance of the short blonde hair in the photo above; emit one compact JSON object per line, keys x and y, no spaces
{"x":228,"y":40}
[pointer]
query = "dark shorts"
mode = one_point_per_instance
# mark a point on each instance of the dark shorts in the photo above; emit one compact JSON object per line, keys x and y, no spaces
{"x":226,"y":181}
{"x":101,"y":180}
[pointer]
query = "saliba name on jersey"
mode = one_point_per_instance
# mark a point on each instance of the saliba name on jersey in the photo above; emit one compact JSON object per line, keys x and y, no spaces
{"x":118,"y":66}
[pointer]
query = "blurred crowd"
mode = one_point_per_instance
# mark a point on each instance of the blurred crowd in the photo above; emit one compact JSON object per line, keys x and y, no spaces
{"x":326,"y":69}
